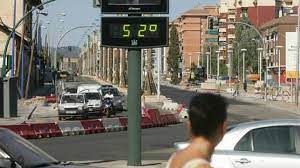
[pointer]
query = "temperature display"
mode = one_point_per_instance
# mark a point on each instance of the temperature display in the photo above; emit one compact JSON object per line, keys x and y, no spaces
{"x":135,"y":31}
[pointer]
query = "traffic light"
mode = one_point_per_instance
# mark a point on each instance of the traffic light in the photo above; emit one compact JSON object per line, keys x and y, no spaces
{"x":210,"y":23}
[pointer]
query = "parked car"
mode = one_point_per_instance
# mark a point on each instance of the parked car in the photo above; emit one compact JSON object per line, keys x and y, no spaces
{"x":118,"y":100}
{"x":260,"y":144}
{"x":17,"y":152}
{"x":72,"y":105}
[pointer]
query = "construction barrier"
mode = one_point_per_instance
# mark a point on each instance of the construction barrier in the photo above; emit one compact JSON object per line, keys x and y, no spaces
{"x":69,"y":128}
{"x":46,"y":130}
{"x":124,"y":122}
{"x":112,"y":124}
{"x":92,"y":126}
{"x":50,"y":99}
{"x":147,"y":123}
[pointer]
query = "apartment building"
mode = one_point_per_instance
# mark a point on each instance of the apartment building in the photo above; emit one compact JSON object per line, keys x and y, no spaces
{"x":193,"y":34}
{"x":274,"y":33}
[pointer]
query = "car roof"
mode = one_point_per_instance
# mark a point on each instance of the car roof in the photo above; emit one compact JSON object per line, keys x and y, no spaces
{"x":266,"y":123}
{"x":73,"y":94}
{"x":89,"y":85}
{"x":233,"y":136}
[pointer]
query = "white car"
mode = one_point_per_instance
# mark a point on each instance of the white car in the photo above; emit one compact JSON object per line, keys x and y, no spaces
{"x":94,"y":102}
{"x":260,"y":144}
{"x":83,"y":87}
{"x":72,"y":105}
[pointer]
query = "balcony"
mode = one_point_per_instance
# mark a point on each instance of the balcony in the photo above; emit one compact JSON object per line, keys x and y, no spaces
{"x":223,"y":20}
{"x":231,"y":36}
{"x":222,"y":39}
{"x":231,"y":16}
{"x":222,"y":30}
{"x":231,"y":26}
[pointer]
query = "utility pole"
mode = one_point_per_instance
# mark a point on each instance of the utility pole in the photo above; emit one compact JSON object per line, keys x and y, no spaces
{"x":244,"y":73}
{"x":260,"y":50}
{"x":218,"y":64}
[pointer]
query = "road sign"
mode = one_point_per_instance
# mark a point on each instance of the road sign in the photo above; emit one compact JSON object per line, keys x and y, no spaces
{"x":135,"y":32}
{"x":135,"y":6}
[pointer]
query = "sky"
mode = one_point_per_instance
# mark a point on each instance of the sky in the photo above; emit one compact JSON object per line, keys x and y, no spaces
{"x":82,"y":13}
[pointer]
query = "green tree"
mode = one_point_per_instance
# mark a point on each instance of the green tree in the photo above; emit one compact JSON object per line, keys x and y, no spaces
{"x":174,"y":55}
{"x":244,"y":39}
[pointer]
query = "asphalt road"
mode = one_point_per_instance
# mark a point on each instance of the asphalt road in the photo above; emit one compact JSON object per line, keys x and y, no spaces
{"x":157,"y":143}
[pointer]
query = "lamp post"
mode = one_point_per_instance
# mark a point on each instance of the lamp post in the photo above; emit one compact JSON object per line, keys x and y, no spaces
{"x":244,"y":53}
{"x":218,"y":64}
{"x":260,"y":50}
{"x":230,"y":65}
{"x":258,"y":60}
{"x":279,"y":65}
{"x":207,"y":64}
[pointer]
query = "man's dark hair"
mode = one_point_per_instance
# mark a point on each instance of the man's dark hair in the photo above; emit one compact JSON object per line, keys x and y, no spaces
{"x":206,"y":113}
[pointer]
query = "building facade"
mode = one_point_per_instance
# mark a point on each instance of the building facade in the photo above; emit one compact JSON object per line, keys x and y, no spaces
{"x":274,"y":33}
{"x":193,"y":34}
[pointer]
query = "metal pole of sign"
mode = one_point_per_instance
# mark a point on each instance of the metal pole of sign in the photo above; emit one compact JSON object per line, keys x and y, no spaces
{"x":134,"y":107}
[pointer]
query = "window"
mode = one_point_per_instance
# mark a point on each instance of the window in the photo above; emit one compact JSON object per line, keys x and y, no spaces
{"x":273,"y":140}
{"x":297,"y":139}
{"x":244,"y":144}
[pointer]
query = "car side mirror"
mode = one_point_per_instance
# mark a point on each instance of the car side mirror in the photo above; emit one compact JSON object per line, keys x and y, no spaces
{"x":6,"y":163}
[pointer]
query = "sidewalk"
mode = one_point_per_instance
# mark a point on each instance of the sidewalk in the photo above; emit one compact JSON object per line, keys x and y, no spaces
{"x":249,"y":97}
{"x":36,"y":103}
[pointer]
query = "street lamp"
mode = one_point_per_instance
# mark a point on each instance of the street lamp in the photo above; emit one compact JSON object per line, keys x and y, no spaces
{"x":42,"y":13}
{"x":279,"y":65}
{"x":260,"y":50}
{"x":218,"y":66}
{"x":244,"y":52}
{"x":62,"y":14}
{"x":230,"y":65}
{"x":207,"y":64}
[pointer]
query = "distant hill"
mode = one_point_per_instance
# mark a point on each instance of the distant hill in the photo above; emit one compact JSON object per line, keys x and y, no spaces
{"x":68,"y":52}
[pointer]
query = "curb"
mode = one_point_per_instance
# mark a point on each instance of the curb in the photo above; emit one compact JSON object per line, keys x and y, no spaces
{"x":151,"y":119}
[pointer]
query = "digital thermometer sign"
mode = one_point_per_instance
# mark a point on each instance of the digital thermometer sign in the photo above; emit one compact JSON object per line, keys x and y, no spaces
{"x":135,"y":32}
{"x":135,"y":6}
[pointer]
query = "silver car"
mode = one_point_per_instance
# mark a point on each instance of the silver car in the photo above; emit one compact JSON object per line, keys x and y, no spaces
{"x":72,"y":105}
{"x":260,"y":144}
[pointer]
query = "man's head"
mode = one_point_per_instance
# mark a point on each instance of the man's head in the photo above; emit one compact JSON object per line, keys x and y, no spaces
{"x":208,"y":114}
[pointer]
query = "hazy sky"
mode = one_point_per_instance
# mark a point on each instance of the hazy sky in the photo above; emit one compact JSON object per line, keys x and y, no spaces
{"x":82,"y":13}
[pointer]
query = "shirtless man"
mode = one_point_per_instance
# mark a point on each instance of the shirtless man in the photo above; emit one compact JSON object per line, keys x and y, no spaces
{"x":207,"y":126}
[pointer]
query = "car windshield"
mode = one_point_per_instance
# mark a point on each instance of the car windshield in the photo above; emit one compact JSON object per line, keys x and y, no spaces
{"x":73,"y":99}
{"x":113,"y":91}
{"x":92,"y":96}
{"x":22,"y":151}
